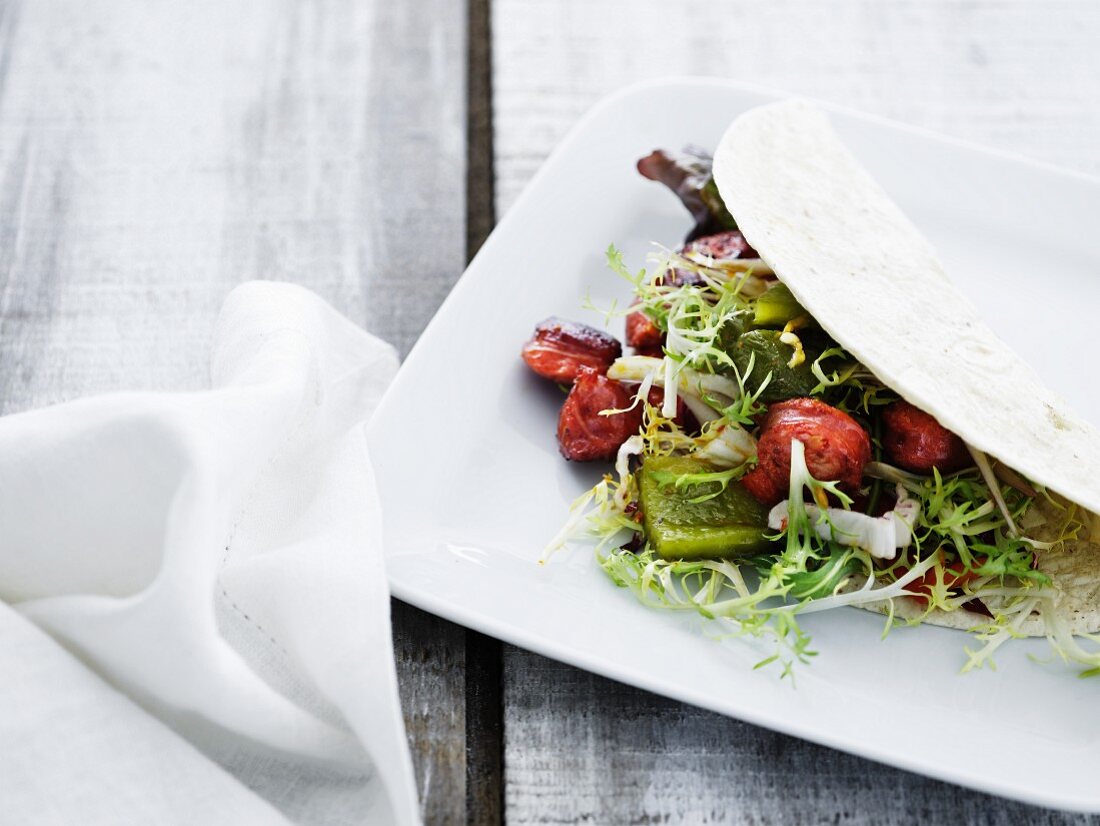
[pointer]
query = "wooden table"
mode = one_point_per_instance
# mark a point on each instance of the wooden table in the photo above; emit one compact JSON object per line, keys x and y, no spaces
{"x":153,"y":154}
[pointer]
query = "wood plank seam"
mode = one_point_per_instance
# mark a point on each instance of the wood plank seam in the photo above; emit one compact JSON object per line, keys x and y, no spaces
{"x":484,"y":657}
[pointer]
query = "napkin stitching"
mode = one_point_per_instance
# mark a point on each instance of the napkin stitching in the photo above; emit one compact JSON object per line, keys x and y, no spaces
{"x":275,"y":456}
{"x":253,"y":623}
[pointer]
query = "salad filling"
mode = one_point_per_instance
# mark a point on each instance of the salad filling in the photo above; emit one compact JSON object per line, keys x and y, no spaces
{"x":761,"y":472}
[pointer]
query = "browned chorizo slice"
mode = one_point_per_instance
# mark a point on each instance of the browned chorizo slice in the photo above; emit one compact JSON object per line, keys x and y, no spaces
{"x":722,"y":246}
{"x":643,"y":334}
{"x":560,"y":349}
{"x":586,"y":436}
{"x":837,"y":448}
{"x":914,"y":440}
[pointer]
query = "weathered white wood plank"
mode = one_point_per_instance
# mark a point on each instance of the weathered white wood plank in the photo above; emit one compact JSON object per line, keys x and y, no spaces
{"x":1017,"y":75}
{"x":582,"y":749}
{"x":154,"y":154}
{"x":1014,"y":74}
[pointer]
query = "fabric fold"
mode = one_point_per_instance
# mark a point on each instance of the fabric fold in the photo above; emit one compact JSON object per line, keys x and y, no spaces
{"x":217,"y":557}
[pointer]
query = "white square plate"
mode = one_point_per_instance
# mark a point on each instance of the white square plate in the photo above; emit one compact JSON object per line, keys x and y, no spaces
{"x":473,"y":487}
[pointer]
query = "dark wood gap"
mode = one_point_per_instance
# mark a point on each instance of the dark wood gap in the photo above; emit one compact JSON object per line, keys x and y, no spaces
{"x":484,"y":730}
{"x":480,"y":177}
{"x":484,"y":655}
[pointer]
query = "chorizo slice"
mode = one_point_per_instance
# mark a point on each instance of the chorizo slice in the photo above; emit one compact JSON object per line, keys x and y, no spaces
{"x":915,"y":441}
{"x":643,"y":334}
{"x":837,"y":448}
{"x":560,"y":349}
{"x":584,"y":435}
{"x":721,"y":246}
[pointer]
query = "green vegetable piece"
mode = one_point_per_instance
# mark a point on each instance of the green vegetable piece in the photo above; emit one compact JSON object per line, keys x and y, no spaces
{"x":776,"y":307}
{"x":731,"y":330}
{"x":770,"y":355}
{"x":728,"y":525}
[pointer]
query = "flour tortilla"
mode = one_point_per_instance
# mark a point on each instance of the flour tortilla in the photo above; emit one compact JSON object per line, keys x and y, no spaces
{"x":873,"y":282}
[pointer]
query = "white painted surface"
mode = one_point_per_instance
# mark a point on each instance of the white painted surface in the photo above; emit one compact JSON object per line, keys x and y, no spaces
{"x":1013,"y":74}
{"x":155,"y":154}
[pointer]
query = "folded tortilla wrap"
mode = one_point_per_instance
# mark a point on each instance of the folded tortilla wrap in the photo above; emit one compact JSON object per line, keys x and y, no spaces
{"x":874,"y":283}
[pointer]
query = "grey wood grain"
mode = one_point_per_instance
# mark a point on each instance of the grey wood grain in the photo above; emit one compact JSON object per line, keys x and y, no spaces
{"x":154,"y":154}
{"x":1016,"y":75}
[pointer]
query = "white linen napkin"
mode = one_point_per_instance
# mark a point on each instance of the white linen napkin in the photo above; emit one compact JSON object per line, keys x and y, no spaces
{"x":215,"y":559}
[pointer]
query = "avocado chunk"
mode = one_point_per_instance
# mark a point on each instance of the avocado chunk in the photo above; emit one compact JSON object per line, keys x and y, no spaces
{"x":730,"y":525}
{"x":772,"y":356}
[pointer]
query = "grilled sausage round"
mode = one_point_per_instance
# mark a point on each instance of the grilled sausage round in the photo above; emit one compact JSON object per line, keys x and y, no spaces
{"x":644,"y":335}
{"x":586,"y":436}
{"x":560,"y":349}
{"x":722,"y":246}
{"x":914,"y":440}
{"x":837,"y":448}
